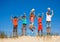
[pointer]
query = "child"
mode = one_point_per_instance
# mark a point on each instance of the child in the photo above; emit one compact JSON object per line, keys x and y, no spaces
{"x":15,"y":25}
{"x":48,"y":17}
{"x":32,"y":17}
{"x":40,"y":24}
{"x":23,"y":18}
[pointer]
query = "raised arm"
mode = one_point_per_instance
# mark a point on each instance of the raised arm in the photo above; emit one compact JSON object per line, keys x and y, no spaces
{"x":52,"y":13}
{"x":38,"y":15}
{"x":11,"y":18}
{"x":20,"y":17}
{"x":42,"y":14}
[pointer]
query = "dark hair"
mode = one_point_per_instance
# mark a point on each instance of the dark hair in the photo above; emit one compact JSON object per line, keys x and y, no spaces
{"x":40,"y":16}
{"x":23,"y":16}
{"x":15,"y":16}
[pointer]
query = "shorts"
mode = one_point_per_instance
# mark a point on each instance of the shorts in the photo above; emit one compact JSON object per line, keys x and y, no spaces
{"x":15,"y":26}
{"x":31,"y":26}
{"x":24,"y":24}
{"x":39,"y":27}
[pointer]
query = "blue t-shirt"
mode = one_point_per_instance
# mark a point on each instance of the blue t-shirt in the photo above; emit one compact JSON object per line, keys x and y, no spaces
{"x":24,"y":20}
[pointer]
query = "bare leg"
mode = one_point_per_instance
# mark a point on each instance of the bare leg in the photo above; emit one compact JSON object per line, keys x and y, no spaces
{"x":24,"y":29}
{"x":48,"y":31}
{"x":16,"y":32}
{"x":41,"y":32}
{"x":38,"y":33}
{"x":13,"y":31}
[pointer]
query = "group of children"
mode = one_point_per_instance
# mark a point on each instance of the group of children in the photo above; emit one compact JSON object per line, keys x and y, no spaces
{"x":15,"y":20}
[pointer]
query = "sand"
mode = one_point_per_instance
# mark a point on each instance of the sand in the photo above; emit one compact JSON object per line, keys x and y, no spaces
{"x":32,"y":39}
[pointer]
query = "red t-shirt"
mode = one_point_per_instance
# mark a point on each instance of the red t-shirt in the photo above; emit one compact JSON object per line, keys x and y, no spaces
{"x":32,"y":16}
{"x":39,"y":23}
{"x":39,"y":20}
{"x":15,"y":22}
{"x":31,"y":19}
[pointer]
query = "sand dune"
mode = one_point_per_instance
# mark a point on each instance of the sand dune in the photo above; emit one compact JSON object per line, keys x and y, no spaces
{"x":32,"y":39}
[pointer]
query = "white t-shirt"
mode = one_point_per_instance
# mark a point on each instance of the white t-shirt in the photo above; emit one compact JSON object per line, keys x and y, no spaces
{"x":48,"y":17}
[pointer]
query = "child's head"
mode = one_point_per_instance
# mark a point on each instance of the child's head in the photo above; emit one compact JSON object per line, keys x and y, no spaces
{"x":15,"y":17}
{"x":49,"y":9}
{"x":40,"y":16}
{"x":24,"y":16}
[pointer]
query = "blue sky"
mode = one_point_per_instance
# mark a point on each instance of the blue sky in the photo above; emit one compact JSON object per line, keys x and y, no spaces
{"x":18,"y":7}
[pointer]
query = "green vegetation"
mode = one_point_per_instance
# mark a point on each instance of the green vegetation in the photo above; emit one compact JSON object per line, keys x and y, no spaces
{"x":3,"y":35}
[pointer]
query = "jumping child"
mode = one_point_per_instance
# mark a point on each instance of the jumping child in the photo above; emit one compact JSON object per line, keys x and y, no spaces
{"x":23,"y":18}
{"x":49,"y":15}
{"x":40,"y":24}
{"x":15,"y":25}
{"x":32,"y":17}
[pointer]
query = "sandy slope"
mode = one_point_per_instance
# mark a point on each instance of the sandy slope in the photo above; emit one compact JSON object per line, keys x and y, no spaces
{"x":32,"y":39}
